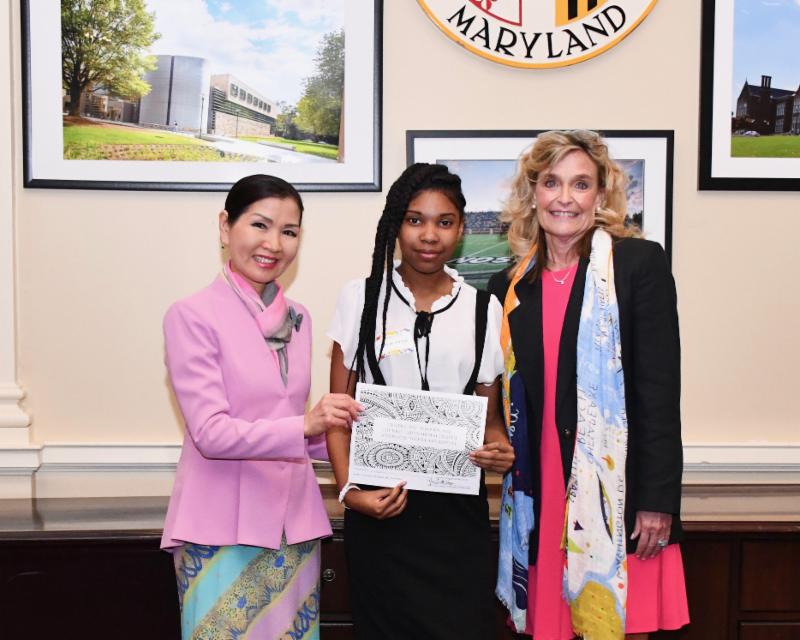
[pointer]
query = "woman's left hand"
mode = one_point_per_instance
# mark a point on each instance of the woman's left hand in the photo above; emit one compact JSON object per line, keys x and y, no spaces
{"x":495,"y":456}
{"x":651,"y":527}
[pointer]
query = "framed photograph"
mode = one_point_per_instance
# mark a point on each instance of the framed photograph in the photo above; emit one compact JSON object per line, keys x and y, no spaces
{"x":750,"y":96}
{"x":193,"y":95}
{"x":487,"y":162}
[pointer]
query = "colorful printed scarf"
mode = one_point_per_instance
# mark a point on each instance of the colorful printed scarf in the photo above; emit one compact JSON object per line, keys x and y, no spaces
{"x":275,"y":318}
{"x":595,"y":576}
{"x":516,"y":508}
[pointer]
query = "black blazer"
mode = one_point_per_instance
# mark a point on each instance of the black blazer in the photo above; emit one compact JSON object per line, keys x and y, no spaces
{"x":651,"y":362}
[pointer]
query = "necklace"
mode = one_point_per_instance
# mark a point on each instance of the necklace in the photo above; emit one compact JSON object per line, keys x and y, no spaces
{"x":564,"y":279}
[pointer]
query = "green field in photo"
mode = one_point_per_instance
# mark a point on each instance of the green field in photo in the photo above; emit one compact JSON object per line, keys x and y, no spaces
{"x":330,"y":151}
{"x":103,"y":134}
{"x":765,"y":146}
{"x":111,"y":142}
{"x":479,"y":255}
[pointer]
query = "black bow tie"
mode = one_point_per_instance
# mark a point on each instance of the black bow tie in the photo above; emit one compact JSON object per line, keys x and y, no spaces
{"x":423,"y":324}
{"x":422,"y":329}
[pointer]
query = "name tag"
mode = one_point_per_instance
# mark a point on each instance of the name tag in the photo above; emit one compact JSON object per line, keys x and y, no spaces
{"x":397,"y":342}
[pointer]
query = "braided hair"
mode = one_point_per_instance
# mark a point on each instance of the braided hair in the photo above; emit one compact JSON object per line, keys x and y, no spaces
{"x":414,"y":180}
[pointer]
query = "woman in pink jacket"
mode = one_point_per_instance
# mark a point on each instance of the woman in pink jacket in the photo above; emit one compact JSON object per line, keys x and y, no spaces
{"x":246,"y":514}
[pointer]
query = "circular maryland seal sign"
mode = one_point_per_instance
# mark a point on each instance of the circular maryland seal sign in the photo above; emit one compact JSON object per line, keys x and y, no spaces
{"x":537,"y":33}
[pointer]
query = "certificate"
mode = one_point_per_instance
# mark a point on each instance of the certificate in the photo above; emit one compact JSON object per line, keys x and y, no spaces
{"x":422,"y":437}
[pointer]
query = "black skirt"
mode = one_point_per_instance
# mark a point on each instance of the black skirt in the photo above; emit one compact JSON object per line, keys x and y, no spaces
{"x":424,"y":575}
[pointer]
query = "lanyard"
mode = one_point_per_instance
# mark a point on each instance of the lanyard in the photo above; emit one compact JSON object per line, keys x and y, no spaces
{"x":422,"y":329}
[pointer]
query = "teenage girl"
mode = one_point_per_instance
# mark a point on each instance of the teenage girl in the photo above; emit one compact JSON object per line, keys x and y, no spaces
{"x":419,"y":562}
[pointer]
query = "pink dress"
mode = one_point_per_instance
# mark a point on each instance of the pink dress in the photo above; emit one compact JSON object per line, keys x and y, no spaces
{"x":656,"y":587}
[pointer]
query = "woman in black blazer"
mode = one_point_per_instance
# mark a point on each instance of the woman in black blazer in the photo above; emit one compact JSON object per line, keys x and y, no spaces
{"x":578,"y":264}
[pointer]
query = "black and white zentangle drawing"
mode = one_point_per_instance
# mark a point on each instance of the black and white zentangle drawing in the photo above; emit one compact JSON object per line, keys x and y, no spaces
{"x":421,"y":437}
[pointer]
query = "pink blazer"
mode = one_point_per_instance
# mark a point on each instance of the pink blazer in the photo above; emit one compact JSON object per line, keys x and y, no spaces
{"x":245,"y":474}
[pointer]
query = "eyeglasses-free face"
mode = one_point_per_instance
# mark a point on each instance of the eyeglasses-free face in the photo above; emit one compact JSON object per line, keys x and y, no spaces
{"x":430,"y":232}
{"x":567,"y":196}
{"x":263,"y":241}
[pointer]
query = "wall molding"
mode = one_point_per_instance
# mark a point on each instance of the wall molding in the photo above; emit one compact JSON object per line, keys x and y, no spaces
{"x":111,"y":469}
{"x":741,"y":463}
{"x":745,"y":457}
{"x":118,"y":456}
{"x":698,"y":458}
{"x":18,"y":464}
{"x":11,"y":415}
{"x":18,"y":460}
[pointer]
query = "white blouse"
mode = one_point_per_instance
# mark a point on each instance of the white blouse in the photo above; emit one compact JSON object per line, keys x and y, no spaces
{"x":452,"y":336}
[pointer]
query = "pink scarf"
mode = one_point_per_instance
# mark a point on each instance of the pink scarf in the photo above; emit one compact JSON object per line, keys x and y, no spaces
{"x":274,"y":317}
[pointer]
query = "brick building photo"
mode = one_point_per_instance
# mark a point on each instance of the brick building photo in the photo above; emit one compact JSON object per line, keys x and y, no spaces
{"x":767,"y":110}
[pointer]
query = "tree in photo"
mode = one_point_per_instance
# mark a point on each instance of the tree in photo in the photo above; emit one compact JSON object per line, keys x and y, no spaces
{"x":285,"y":125}
{"x":104,"y":43}
{"x":319,"y":111}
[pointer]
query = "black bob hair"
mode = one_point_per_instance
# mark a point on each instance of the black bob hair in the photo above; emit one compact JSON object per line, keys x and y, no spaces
{"x":257,"y":187}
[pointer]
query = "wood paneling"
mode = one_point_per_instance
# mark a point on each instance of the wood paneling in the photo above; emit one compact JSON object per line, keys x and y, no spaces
{"x":91,"y":591}
{"x":336,"y":631}
{"x":105,"y":577}
{"x":770,"y":575}
{"x":769,"y":631}
{"x":707,"y":566}
{"x":334,"y":594}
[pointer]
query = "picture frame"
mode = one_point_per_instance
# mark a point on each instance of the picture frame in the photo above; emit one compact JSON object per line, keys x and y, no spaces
{"x":352,"y":163}
{"x":487,"y":161}
{"x":736,"y":142}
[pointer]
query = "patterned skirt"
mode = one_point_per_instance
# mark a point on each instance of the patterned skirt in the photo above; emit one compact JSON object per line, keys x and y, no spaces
{"x":249,"y":593}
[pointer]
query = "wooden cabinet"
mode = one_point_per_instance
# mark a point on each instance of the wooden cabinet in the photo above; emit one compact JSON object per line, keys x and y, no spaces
{"x":334,"y":595}
{"x":770,"y":575}
{"x":741,"y":581}
{"x":769,"y":631}
{"x":89,"y":569}
{"x":336,"y":621}
{"x":87,"y":588}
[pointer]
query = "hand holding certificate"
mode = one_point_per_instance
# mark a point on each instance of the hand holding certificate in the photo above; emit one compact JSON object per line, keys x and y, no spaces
{"x":421,"y":437}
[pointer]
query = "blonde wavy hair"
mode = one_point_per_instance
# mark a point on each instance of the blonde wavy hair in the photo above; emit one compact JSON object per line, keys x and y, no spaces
{"x":550,"y":147}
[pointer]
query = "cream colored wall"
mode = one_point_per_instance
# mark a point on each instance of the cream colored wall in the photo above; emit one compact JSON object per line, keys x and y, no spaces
{"x":95,"y":270}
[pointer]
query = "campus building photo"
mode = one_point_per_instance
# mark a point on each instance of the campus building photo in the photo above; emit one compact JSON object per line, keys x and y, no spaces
{"x":238,"y":110}
{"x":178,"y":96}
{"x":767,"y":110}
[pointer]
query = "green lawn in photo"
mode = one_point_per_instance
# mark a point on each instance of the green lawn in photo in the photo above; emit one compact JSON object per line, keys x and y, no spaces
{"x":321,"y":149}
{"x":765,"y":146}
{"x":89,"y":141}
{"x":479,"y":255}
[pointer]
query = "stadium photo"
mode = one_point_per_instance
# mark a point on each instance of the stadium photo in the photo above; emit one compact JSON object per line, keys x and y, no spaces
{"x":484,"y":248}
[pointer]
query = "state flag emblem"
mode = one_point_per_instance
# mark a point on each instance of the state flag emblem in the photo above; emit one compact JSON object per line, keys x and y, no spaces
{"x":537,"y":33}
{"x":509,"y":11}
